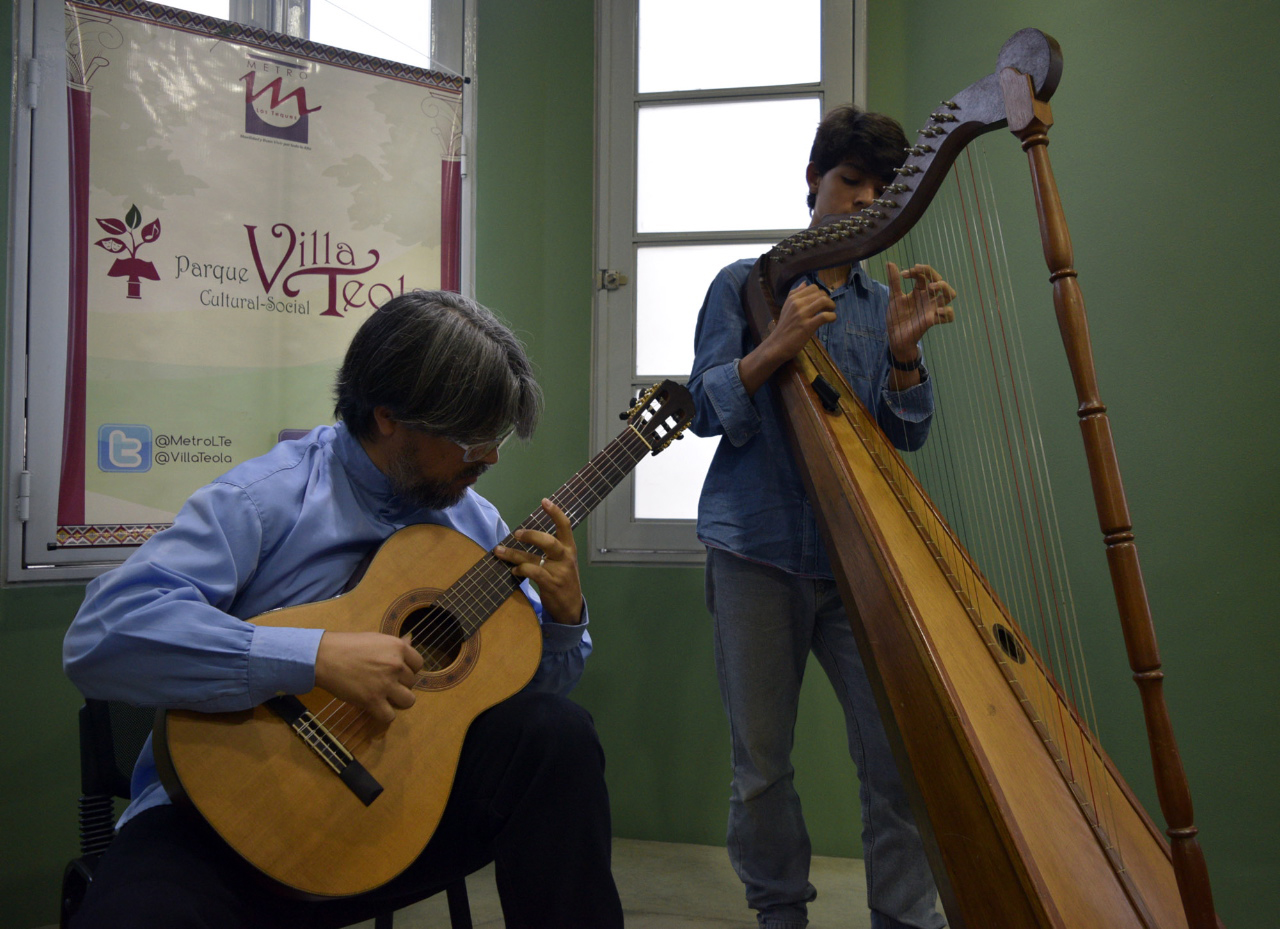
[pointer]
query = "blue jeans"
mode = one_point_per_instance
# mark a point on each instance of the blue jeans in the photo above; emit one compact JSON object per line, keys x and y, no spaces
{"x":766,"y":623}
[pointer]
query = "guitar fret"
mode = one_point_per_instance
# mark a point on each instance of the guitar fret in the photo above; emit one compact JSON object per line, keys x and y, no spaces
{"x":475,"y":596}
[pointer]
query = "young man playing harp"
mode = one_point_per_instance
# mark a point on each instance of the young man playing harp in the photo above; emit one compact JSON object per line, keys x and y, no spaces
{"x":769,"y":585}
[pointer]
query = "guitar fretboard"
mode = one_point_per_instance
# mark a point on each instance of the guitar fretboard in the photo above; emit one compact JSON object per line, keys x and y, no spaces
{"x":475,"y":596}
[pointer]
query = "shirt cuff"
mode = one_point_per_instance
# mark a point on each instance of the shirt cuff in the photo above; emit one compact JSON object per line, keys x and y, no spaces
{"x":733,"y":407}
{"x":913,"y":405}
{"x":561,"y":637}
{"x":282,"y":660}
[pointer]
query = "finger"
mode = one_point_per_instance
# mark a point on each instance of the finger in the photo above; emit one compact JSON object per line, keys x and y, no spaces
{"x":942,"y":292}
{"x":401,"y":698}
{"x":895,"y":278}
{"x":382,"y":713}
{"x":517,"y":557}
{"x":564,"y":528}
{"x":412,"y":657}
{"x":547,"y":545}
{"x":529,"y":565}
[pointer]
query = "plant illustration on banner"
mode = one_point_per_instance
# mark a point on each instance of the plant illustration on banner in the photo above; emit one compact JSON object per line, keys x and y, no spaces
{"x":133,"y":267}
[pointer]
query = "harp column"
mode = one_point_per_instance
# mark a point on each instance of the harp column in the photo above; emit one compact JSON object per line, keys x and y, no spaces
{"x":1029,"y":120}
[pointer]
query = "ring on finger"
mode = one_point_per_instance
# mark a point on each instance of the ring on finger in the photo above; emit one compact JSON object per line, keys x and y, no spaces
{"x":542,"y":561}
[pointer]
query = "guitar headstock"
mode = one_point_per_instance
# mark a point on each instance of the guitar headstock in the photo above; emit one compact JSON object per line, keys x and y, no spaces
{"x":661,"y":414}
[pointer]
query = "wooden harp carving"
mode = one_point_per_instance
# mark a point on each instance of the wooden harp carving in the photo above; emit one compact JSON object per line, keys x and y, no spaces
{"x":1006,"y":794}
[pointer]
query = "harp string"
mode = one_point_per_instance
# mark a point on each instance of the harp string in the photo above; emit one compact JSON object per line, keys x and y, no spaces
{"x":985,"y":466}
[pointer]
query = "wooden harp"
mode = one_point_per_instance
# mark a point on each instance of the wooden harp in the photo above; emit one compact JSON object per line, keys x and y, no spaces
{"x":1004,"y":774}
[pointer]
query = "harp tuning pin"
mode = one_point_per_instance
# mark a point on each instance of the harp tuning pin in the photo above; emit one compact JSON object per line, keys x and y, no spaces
{"x":942,"y":118}
{"x":920,"y":149}
{"x":908,"y":170}
{"x":950,"y":104}
{"x":897,"y":189}
{"x":887,"y":204}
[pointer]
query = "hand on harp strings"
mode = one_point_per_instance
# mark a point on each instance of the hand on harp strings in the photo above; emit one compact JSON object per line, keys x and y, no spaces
{"x":910,"y":315}
{"x":913,"y":313}
{"x":807,"y":308}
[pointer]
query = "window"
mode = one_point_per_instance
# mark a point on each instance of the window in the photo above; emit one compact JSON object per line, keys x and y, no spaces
{"x":146,"y":229}
{"x":706,"y":110}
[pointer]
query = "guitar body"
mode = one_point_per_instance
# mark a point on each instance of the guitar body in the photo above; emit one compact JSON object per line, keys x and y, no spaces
{"x":271,"y":796}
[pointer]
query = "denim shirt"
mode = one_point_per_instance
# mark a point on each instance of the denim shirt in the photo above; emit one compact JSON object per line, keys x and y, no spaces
{"x":753,"y":502}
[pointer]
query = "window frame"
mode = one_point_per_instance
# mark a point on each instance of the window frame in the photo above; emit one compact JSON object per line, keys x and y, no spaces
{"x":615,"y":536}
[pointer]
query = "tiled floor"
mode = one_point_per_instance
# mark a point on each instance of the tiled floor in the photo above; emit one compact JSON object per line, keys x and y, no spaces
{"x":666,"y":886}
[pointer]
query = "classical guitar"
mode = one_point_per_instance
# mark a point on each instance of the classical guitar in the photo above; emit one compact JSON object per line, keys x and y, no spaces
{"x":303,"y":787}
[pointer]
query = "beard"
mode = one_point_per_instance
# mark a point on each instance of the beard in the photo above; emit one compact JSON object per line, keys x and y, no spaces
{"x":425,"y":492}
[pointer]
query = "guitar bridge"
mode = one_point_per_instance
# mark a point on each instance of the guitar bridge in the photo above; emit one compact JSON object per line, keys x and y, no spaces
{"x":328,"y":746}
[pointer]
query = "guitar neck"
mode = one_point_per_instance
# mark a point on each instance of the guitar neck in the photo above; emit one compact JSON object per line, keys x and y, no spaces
{"x":486,"y":586}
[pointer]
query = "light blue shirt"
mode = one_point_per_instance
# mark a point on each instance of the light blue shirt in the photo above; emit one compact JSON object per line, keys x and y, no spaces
{"x":753,"y":502}
{"x":166,"y":627}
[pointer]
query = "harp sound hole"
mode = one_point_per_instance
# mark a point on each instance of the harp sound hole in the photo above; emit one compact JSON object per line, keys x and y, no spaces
{"x":1009,"y":643}
{"x":436,"y":634}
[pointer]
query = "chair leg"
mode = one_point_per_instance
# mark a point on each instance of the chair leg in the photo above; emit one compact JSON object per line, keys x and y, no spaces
{"x":459,"y":906}
{"x":384,"y":920}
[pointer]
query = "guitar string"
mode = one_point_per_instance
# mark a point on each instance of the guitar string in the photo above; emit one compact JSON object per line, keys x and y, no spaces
{"x":475,"y":585}
{"x":344,"y":723}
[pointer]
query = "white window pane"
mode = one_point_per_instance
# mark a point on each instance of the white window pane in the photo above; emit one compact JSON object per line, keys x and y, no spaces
{"x":398,"y":30}
{"x":701,"y":44}
{"x":670,"y":284}
{"x":218,"y":8}
{"x":668,"y":484}
{"x":724,"y":166}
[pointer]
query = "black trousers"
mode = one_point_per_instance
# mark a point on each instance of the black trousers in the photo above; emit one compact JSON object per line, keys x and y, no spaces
{"x":529,"y":795}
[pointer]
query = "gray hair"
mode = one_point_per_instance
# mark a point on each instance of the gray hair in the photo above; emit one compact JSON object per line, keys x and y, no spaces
{"x":442,"y":363}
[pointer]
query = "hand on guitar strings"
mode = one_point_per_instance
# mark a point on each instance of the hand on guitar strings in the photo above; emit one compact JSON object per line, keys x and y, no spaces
{"x":910,"y":315}
{"x":555,"y":570}
{"x":369,"y":670}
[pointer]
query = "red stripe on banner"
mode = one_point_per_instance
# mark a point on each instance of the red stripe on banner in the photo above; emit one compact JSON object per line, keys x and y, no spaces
{"x":71,"y":483}
{"x":451,"y":224}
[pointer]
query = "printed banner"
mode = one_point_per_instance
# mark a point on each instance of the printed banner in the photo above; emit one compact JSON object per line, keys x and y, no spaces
{"x":240,"y":202}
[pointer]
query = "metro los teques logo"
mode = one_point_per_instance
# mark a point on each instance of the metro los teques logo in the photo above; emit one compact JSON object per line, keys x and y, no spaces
{"x":270,"y":111}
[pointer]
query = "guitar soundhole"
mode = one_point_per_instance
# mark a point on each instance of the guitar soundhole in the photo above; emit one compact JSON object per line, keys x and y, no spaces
{"x":437,"y":636}
{"x":1009,"y":643}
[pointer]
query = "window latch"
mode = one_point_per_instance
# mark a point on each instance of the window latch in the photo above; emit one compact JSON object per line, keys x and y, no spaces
{"x":607,"y":279}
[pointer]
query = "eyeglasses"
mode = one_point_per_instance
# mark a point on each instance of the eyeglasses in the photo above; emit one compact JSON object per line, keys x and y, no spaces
{"x":479,"y":450}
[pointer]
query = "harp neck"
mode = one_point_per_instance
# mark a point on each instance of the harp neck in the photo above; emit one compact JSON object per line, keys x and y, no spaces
{"x":976,"y":110}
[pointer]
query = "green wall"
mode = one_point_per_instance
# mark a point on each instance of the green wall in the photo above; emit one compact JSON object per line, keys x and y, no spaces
{"x":1159,"y":155}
